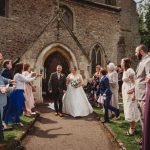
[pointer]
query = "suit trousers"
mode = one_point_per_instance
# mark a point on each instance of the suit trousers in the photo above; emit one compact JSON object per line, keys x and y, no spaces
{"x":141,"y":109}
{"x":58,"y":102}
{"x":107,"y":106}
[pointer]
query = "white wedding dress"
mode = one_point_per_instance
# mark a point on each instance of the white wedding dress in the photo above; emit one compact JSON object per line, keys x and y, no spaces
{"x":75,"y":102}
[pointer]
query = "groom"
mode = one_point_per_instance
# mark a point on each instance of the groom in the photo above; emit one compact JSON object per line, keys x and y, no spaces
{"x":57,"y":86}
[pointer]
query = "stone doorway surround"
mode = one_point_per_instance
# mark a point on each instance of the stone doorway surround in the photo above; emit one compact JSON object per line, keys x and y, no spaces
{"x":39,"y":63}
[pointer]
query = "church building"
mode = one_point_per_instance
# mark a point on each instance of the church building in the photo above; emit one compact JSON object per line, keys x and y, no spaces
{"x":81,"y":33}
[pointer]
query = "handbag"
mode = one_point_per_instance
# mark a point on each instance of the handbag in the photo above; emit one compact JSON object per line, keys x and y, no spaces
{"x":100,"y":100}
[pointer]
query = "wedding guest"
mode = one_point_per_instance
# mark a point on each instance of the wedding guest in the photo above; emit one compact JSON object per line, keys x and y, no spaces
{"x":146,"y":129}
{"x":97,"y":74}
{"x":1,"y":126}
{"x":143,"y":70}
{"x":120,"y":82}
{"x":16,"y":105}
{"x":130,"y":105}
{"x":3,"y":97}
{"x":6,"y":70}
{"x":105,"y":92}
{"x":96,"y":78}
{"x":29,"y":98}
{"x":89,"y":90}
{"x":113,"y":81}
{"x":7,"y":73}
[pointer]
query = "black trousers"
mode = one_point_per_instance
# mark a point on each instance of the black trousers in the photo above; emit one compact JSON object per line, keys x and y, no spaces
{"x":58,"y":102}
{"x":107,"y":107}
{"x":1,"y":130}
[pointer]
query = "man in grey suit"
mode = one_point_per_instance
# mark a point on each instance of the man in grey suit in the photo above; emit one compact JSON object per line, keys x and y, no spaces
{"x":143,"y":70}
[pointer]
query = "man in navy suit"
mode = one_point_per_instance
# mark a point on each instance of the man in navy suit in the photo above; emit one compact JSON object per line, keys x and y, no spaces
{"x":6,"y":71}
{"x":105,"y":92}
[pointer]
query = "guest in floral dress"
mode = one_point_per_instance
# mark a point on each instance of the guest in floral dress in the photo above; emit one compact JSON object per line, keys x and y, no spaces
{"x":96,"y":78}
{"x":130,"y":105}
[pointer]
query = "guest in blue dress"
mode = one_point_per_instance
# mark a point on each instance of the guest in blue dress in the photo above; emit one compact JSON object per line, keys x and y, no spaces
{"x":3,"y":97}
{"x":105,"y":92}
{"x":6,"y":73}
{"x":16,"y":102}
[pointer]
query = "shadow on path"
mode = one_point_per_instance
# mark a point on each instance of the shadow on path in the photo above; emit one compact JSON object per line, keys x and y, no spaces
{"x":45,"y":120}
{"x":45,"y":133}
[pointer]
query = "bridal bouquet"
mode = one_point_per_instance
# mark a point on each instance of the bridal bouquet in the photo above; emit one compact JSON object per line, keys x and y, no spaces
{"x":75,"y":83}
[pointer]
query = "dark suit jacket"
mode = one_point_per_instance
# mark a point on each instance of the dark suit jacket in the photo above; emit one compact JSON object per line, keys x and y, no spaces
{"x":6,"y":73}
{"x":57,"y":85}
{"x":104,"y":87}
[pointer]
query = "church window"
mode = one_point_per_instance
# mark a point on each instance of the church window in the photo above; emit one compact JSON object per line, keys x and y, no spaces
{"x":110,"y":2}
{"x":4,"y":8}
{"x":96,"y":57}
{"x":67,"y":16}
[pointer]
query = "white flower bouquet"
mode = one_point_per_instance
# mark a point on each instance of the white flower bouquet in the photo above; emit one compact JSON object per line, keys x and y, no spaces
{"x":75,"y":83}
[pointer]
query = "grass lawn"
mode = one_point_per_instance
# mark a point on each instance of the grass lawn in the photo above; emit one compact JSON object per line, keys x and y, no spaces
{"x":12,"y":136}
{"x":120,"y":127}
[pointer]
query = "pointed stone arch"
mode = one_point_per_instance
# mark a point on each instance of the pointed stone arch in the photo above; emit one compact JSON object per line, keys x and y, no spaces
{"x":42,"y":57}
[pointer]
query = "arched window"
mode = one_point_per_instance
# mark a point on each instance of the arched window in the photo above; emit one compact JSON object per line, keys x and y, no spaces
{"x":110,"y":2}
{"x":67,"y":16}
{"x":97,"y":57}
{"x":4,"y":8}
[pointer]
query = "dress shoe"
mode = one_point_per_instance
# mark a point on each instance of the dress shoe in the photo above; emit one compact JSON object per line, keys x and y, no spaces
{"x":60,"y":114}
{"x":56,"y":114}
{"x":118,"y":114}
{"x":104,"y":121}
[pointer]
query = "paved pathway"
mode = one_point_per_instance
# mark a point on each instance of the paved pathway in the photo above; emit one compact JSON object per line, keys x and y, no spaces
{"x":54,"y":133}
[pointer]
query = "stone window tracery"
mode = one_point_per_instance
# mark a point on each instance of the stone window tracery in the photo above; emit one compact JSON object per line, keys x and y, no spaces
{"x":96,"y":57}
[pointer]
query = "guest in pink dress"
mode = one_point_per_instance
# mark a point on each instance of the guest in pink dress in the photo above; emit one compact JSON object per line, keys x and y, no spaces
{"x":29,"y":98}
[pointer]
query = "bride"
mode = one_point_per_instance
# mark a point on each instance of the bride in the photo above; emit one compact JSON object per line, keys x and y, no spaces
{"x":75,"y":101}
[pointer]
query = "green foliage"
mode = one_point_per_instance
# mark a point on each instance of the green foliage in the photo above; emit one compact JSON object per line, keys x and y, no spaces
{"x":144,"y":23}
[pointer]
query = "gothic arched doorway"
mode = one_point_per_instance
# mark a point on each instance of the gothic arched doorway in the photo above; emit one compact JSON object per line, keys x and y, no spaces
{"x":50,"y":65}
